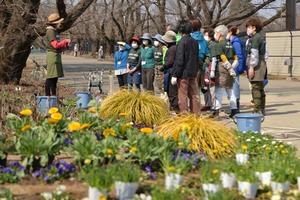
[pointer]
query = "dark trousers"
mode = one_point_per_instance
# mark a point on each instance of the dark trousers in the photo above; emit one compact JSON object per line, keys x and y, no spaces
{"x":148,"y":79}
{"x":259,"y":96}
{"x":50,"y":86}
{"x":172,"y":92}
{"x":122,"y":80}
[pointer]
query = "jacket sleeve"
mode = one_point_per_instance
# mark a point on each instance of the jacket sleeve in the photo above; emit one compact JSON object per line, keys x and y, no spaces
{"x":170,"y":57}
{"x":59,"y":45}
{"x":127,"y":47}
{"x":179,"y":60}
{"x":239,"y":52}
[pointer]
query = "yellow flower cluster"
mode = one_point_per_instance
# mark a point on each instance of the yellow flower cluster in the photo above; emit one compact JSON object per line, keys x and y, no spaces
{"x":146,"y":130}
{"x":76,"y":126}
{"x":25,"y":128}
{"x":109,"y":132}
{"x":92,"y":110}
{"x":26,"y":112}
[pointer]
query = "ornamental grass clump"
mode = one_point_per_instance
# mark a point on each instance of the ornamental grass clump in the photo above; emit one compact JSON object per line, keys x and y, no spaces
{"x":207,"y":136}
{"x":140,"y":108}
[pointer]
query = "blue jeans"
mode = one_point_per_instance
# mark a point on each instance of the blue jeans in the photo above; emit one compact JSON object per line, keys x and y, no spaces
{"x":236,"y":87}
{"x":135,"y":78}
{"x":219,"y":93}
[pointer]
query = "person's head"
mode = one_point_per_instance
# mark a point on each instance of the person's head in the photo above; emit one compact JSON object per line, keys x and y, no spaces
{"x":54,"y":20}
{"x":185,"y":27}
{"x":209,"y":35}
{"x":146,"y":39}
{"x":233,"y":31}
{"x":169,"y":37}
{"x":158,"y":41}
{"x":196,"y":25}
{"x":220,"y":32}
{"x":171,"y":27}
{"x":135,"y":42}
{"x":121,"y":46}
{"x":253,"y":26}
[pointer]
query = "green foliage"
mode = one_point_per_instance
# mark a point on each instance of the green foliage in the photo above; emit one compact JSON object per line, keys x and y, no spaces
{"x":100,"y":178}
{"x":210,"y":172}
{"x":246,"y":173}
{"x":160,"y":194}
{"x":125,"y":172}
{"x":6,"y":194}
{"x":176,"y":164}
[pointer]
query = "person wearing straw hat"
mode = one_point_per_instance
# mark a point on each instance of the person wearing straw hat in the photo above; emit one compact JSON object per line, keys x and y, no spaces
{"x":172,"y":90}
{"x":148,"y":62}
{"x":54,"y":49}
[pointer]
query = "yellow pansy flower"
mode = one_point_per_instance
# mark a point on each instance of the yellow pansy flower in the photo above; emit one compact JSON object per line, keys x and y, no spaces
{"x":124,"y":127}
{"x":92,"y":110}
{"x":102,"y":197}
{"x":74,"y":126}
{"x":52,"y":121}
{"x":109,"y":132}
{"x":26,"y":112}
{"x":185,"y":127}
{"x":57,"y":116}
{"x":180,"y":144}
{"x":85,"y":126}
{"x":146,"y":130}
{"x":133,"y":150}
{"x":109,"y":151}
{"x":87,"y":161}
{"x":25,"y":128}
{"x":244,"y":147}
{"x":171,"y":169}
{"x":53,"y":110}
{"x":215,"y":171}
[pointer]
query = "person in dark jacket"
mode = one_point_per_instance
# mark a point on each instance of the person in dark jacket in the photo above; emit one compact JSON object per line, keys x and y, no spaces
{"x":134,"y":64}
{"x":239,"y":49}
{"x":186,"y":68}
{"x":172,"y":90}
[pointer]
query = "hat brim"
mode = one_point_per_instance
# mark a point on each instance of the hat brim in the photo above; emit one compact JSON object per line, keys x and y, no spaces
{"x":167,"y":40}
{"x":161,"y":41}
{"x":57,"y":21}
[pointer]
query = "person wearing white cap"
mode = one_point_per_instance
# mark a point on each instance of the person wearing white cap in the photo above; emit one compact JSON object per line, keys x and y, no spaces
{"x":120,"y":66}
{"x":224,"y":72}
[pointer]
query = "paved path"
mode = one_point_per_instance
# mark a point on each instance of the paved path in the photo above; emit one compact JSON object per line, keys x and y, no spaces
{"x":283,"y":96}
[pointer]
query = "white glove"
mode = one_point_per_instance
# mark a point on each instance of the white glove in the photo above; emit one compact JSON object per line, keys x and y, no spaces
{"x":173,"y":80}
{"x":232,"y":72}
{"x":212,"y":74}
{"x":227,"y":65}
{"x":235,"y":64}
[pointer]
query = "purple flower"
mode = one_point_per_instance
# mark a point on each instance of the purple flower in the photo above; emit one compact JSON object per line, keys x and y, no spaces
{"x":68,"y":141}
{"x":18,"y":165}
{"x":7,"y":170}
{"x":152,"y":176}
{"x":60,"y":171}
{"x":148,"y":169}
{"x":46,"y":178}
{"x":36,"y":173}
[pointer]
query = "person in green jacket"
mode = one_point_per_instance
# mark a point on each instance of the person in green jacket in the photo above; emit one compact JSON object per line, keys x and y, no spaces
{"x":256,"y":63}
{"x":54,"y":50}
{"x":147,"y":62}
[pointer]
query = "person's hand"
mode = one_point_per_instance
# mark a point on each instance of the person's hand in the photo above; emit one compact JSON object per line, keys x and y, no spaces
{"x":121,"y":43}
{"x":212,"y":74}
{"x":227,"y":65}
{"x":173,"y":80}
{"x":251,"y":73}
{"x":232,"y":72}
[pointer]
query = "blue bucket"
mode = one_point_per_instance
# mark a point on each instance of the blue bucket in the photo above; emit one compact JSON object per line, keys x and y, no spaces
{"x":249,"y":122}
{"x":83,"y":99}
{"x":44,"y":103}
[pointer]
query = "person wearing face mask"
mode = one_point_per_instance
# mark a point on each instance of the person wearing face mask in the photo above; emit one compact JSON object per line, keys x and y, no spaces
{"x":147,"y":63}
{"x":134,"y":64}
{"x":160,"y":48}
{"x":54,"y":50}
{"x":239,"y":48}
{"x":185,"y":70}
{"x":257,"y":68}
{"x":224,"y":72}
{"x":120,"y":65}
{"x":209,"y":62}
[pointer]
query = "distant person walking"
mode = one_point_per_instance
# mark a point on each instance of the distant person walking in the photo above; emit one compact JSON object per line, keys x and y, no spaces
{"x":100,"y":53}
{"x":54,"y":50}
{"x":76,"y":49}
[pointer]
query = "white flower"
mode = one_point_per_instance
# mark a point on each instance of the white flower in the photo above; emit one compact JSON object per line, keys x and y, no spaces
{"x":252,"y":137}
{"x":248,"y":140}
{"x":47,"y":195}
{"x":149,"y":198}
{"x":289,"y":143}
{"x":61,"y":188}
{"x":258,"y":140}
{"x":264,"y":146}
{"x":274,"y":142}
{"x":276,"y":197}
{"x":143,"y":196}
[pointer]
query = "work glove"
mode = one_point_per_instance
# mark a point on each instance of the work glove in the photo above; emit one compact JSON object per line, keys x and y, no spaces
{"x":212,"y":74}
{"x":121,"y":43}
{"x":229,"y":67}
{"x":173,"y":80}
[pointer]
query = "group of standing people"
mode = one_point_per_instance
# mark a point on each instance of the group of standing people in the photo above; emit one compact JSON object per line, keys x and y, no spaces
{"x":184,"y":62}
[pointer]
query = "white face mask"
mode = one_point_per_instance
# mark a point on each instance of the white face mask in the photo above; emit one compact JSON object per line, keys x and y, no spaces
{"x":206,"y":38}
{"x":216,"y":36}
{"x":250,"y":31}
{"x":121,"y":48}
{"x":135,"y":45}
{"x":145,"y":42}
{"x":156,"y":43}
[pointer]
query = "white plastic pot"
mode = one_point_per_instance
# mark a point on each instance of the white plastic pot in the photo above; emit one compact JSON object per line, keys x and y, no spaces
{"x":280,"y":187}
{"x":241,"y":158}
{"x":228,"y":180}
{"x":298,"y":180}
{"x":95,"y":194}
{"x":125,"y":191}
{"x":264,"y":177}
{"x":249,"y":190}
{"x":173,"y":181}
{"x":210,"y":187}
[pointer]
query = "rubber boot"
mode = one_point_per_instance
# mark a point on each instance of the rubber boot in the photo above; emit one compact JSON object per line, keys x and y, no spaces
{"x":233,"y":113}
{"x":238,"y":105}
